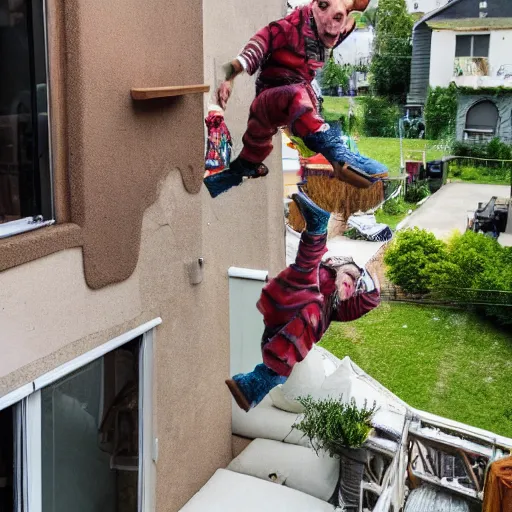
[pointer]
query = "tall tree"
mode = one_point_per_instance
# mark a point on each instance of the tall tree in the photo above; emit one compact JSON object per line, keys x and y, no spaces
{"x":392,"y":50}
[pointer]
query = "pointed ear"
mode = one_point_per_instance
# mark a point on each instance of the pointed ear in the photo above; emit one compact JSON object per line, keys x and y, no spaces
{"x":349,"y":27}
{"x":357,"y":5}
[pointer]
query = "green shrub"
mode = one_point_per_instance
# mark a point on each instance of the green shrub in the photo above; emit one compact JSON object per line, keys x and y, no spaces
{"x":331,"y":424}
{"x":416,"y":192}
{"x":498,"y":150}
{"x":470,"y":174}
{"x":410,"y":259}
{"x":380,"y":117}
{"x":396,"y":206}
{"x":441,"y":112}
{"x":495,"y":150}
{"x":480,"y":174}
{"x":470,"y":268}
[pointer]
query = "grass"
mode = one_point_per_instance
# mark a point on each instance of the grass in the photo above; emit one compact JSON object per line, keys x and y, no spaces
{"x":480,"y":175}
{"x":335,"y":107}
{"x":384,"y":150}
{"x":392,"y":220}
{"x":443,"y":361}
{"x":387,"y":151}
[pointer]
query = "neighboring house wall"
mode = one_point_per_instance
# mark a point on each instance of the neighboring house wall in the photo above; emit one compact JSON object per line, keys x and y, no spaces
{"x":504,"y":105}
{"x":49,"y":314}
{"x":356,"y":49}
{"x":443,"y":54}
{"x":442,"y":58}
{"x":420,"y":65}
{"x":499,"y":51}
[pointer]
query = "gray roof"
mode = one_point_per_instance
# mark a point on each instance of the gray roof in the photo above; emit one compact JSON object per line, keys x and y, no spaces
{"x":431,"y":14}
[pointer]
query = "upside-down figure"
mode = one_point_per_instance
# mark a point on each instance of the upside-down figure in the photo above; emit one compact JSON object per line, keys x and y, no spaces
{"x":287,"y":54}
{"x":299,"y":304}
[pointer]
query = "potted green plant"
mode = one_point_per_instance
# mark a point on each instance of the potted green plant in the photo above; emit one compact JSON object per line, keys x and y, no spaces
{"x":340,"y":429}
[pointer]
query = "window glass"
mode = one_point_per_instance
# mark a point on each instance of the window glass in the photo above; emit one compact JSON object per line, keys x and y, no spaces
{"x":25,"y":188}
{"x":90,"y":436}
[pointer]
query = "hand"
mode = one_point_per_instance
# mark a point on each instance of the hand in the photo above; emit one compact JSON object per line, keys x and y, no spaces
{"x":224,"y":92}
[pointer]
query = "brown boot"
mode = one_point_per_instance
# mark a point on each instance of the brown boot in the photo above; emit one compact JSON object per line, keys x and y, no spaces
{"x":238,"y":395}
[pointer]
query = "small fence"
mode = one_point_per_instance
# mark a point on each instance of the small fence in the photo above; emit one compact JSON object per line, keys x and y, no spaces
{"x":451,"y":297}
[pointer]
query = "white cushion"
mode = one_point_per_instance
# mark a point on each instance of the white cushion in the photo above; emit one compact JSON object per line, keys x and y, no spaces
{"x":227,"y":491}
{"x":267,"y":422}
{"x":306,"y":377}
{"x":301,"y":467}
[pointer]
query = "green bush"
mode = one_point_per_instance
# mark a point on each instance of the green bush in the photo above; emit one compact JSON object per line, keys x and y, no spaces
{"x":470,"y":268}
{"x":410,"y":258}
{"x":441,"y":112}
{"x":416,"y":192}
{"x":396,"y":206}
{"x":480,"y":174}
{"x":380,"y":117}
{"x":495,"y":150}
{"x":331,"y":424}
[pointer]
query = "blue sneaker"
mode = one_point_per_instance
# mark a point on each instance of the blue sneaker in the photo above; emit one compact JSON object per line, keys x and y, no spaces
{"x":234,"y":176}
{"x":355,"y":169}
{"x":315,"y":217}
{"x":249,"y":389}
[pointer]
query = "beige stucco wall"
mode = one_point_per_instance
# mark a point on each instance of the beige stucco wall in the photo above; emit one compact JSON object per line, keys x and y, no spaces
{"x":49,"y":315}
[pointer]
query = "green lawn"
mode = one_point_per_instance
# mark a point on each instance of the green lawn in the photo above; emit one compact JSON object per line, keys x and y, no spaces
{"x":334,"y":107}
{"x":384,"y":150}
{"x":443,"y":361}
{"x":393,"y":220}
{"x":387,"y":151}
{"x":480,"y":175}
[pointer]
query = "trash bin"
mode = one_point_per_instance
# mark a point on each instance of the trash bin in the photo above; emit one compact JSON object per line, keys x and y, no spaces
{"x":435,"y":169}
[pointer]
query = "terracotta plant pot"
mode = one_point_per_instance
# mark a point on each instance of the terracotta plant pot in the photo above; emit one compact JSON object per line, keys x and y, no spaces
{"x":352,"y":462}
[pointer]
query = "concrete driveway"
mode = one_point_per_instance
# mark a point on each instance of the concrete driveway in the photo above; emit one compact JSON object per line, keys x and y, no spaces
{"x":447,"y":209}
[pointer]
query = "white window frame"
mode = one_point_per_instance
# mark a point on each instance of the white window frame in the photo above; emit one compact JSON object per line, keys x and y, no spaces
{"x":28,"y":399}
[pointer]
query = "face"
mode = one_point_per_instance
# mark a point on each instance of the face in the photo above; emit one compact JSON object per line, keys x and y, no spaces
{"x":346,"y":280}
{"x":330,"y":17}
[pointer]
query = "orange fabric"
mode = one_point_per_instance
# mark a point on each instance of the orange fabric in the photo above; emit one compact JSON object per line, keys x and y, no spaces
{"x":498,"y":487}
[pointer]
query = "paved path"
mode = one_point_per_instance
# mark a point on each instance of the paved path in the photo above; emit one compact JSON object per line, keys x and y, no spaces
{"x":360,"y":250}
{"x":448,"y":208}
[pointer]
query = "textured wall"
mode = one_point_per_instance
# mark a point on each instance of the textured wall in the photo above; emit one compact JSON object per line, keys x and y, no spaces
{"x":123,"y":163}
{"x":120,"y":150}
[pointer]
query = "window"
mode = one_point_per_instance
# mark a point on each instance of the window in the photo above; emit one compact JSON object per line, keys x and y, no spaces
{"x":7,"y":476}
{"x":481,"y":122}
{"x":25,"y":183}
{"x":86,"y":431}
{"x":472,"y":46}
{"x":90,"y":448}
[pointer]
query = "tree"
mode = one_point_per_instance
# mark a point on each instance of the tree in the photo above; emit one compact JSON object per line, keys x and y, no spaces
{"x":392,"y":50}
{"x":370,"y":16}
{"x":334,"y":75}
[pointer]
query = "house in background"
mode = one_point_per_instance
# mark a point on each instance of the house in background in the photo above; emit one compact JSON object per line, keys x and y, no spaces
{"x":467,"y":42}
{"x":421,"y":7}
